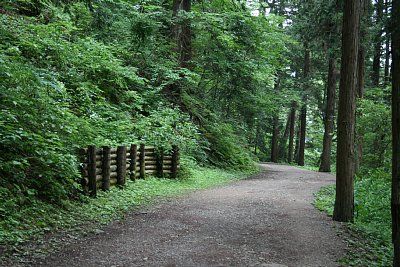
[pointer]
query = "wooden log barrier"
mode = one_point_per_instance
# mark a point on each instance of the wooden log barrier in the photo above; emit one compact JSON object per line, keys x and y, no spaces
{"x":160,"y":164}
{"x":132,"y":166}
{"x":174,"y":162}
{"x":106,"y":164}
{"x":142,"y":161}
{"x":103,"y":168}
{"x":121,"y":165}
{"x":91,"y":168}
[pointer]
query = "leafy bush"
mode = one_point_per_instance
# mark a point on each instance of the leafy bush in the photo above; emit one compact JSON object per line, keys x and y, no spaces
{"x":372,"y":111}
{"x":225,"y":148}
{"x":370,"y":242}
{"x":61,"y":91}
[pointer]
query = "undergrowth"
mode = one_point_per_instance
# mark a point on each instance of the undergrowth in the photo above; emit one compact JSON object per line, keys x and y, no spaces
{"x":369,"y":241}
{"x":41,"y":217}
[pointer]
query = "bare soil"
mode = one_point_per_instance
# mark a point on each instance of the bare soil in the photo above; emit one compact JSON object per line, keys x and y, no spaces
{"x":265,"y":220}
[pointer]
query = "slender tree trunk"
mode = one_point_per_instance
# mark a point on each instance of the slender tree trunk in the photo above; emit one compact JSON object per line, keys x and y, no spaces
{"x":292,"y":119}
{"x":303,"y":114}
{"x":182,"y":34}
{"x":302,"y":143}
{"x":175,"y":7}
{"x":283,"y":140}
{"x":186,"y":37}
{"x":297,"y":145}
{"x":387,"y":59}
{"x":325,"y":165}
{"x":275,"y":131}
{"x":344,"y":201}
{"x":360,"y":72}
{"x":361,"y":78}
{"x":360,"y":94}
{"x":175,"y":27}
{"x":395,"y":203}
{"x":376,"y":64}
{"x":387,"y":46}
{"x":275,"y":137}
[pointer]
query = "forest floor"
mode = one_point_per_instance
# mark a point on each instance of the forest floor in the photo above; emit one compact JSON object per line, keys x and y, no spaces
{"x":264,"y":220}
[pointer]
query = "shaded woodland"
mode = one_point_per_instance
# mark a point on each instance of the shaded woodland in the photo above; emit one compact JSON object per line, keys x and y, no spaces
{"x":311,"y":83}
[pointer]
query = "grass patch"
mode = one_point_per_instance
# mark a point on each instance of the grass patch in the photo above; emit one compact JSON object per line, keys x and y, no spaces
{"x":39,"y":218}
{"x":325,"y":199}
{"x":308,"y":167}
{"x":369,"y":242}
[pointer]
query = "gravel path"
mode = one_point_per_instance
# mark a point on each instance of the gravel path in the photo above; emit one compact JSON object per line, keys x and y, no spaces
{"x":265,"y":220}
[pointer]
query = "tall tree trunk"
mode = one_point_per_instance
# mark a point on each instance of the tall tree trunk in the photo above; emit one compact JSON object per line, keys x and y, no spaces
{"x":395,"y":203}
{"x":275,"y":137}
{"x":302,"y":142}
{"x":387,"y":59}
{"x":387,"y":46}
{"x":275,"y":130}
{"x":376,"y":64}
{"x":283,"y":140}
{"x":182,"y":34}
{"x":361,"y":78}
{"x":360,"y":94}
{"x":175,"y":27}
{"x":297,"y":145}
{"x":292,"y":119}
{"x":344,"y":201}
{"x":325,"y":165}
{"x":303,"y":114}
{"x":186,"y":37}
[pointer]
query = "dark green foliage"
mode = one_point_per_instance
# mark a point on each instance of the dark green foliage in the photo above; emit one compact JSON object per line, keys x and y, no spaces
{"x":74,"y":73}
{"x":60,"y":91}
{"x":374,"y":112}
{"x":225,"y":149}
{"x":105,"y":72}
{"x":370,"y":236}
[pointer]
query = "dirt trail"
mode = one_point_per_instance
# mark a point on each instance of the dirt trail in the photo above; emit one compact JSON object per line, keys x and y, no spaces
{"x":265,"y":220}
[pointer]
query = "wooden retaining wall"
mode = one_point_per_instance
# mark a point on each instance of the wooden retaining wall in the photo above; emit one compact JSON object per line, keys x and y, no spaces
{"x":106,"y":167}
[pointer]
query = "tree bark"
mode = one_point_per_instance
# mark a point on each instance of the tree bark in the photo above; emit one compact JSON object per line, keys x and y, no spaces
{"x":275,"y":137}
{"x":344,"y":200}
{"x":387,"y":59}
{"x":283,"y":140}
{"x":325,"y":165}
{"x":292,"y":119}
{"x":302,"y":142}
{"x":275,"y":130}
{"x":185,"y":40}
{"x":360,"y":94}
{"x":297,"y":145}
{"x":387,"y":46}
{"x":376,"y":64}
{"x":303,"y":114}
{"x":175,"y":27}
{"x":395,"y":202}
{"x":361,"y":78}
{"x":361,"y":72}
{"x":182,"y":35}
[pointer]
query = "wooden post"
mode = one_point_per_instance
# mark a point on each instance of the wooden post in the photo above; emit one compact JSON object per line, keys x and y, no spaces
{"x":105,"y":168}
{"x":91,"y":168}
{"x":175,"y":161}
{"x":121,"y":165}
{"x":142,"y":161}
{"x":132,"y":165}
{"x":160,"y":164}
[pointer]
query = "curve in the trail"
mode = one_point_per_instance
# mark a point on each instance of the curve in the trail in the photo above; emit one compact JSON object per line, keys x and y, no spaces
{"x":265,"y":220}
